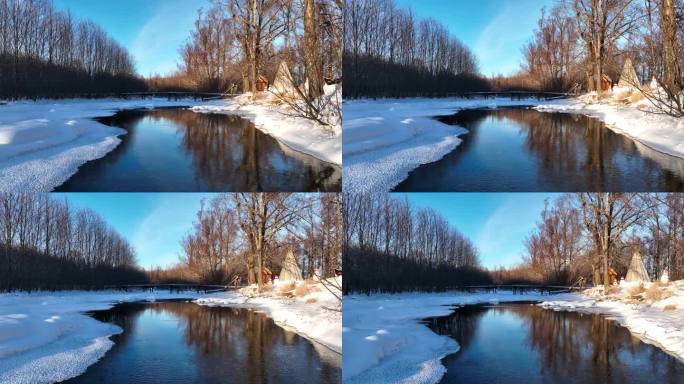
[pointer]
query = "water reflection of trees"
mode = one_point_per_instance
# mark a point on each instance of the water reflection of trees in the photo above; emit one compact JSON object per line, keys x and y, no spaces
{"x":226,"y":151}
{"x":590,"y":346}
{"x":570,"y":347}
{"x":230,"y":153}
{"x":251,"y":341}
{"x":584,"y":145}
{"x":567,"y":150}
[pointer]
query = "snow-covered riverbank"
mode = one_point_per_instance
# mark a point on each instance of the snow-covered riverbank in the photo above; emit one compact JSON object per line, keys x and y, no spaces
{"x":47,"y":337}
{"x":316,"y":315}
{"x":386,"y":139}
{"x":657,"y":131}
{"x":275,"y":119}
{"x":659,"y":322}
{"x":43,"y":143}
{"x":384,"y":341}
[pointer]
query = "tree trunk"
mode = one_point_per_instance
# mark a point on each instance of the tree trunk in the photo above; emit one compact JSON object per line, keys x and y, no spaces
{"x":673,"y":70}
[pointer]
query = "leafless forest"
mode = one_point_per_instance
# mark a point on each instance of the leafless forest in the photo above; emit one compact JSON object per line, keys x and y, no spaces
{"x":47,"y":53}
{"x":585,"y":235}
{"x":242,"y":235}
{"x":47,"y":244}
{"x":389,"y":52}
{"x":578,"y":239}
{"x":393,"y":247}
{"x":578,"y":41}
{"x":237,"y":41}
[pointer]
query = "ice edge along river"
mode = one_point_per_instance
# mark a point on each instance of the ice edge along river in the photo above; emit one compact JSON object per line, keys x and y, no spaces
{"x":384,"y":341}
{"x":386,"y":139}
{"x":47,"y":337}
{"x":43,"y":143}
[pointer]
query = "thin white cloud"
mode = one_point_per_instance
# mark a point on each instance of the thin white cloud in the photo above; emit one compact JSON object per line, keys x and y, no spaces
{"x":505,"y":35}
{"x":156,"y":44}
{"x":500,"y":239}
{"x":157,"y":237}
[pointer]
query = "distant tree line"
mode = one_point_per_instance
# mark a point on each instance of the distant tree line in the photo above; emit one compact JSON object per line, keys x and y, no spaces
{"x":46,"y":53}
{"x":47,"y":244}
{"x":388,"y":52}
{"x":241,"y":235}
{"x":392,"y":247}
{"x":586,"y":235}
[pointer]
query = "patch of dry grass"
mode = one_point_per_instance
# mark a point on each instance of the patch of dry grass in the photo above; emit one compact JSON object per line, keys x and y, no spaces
{"x":637,"y":290}
{"x":302,"y":289}
{"x":657,"y":291}
{"x":311,"y":300}
{"x":287,"y":289}
{"x":611,"y":290}
{"x":670,"y":308}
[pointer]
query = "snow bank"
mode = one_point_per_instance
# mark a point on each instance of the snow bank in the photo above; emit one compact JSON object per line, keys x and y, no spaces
{"x":316,"y":315}
{"x":43,"y":143}
{"x":660,"y":323}
{"x":384,"y":341}
{"x":273,"y":118}
{"x":657,"y":131}
{"x":46,"y":337}
{"x":386,"y":139}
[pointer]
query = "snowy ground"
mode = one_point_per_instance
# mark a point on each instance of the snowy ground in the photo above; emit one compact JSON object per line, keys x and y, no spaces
{"x":316,"y":315}
{"x":273,"y":118}
{"x":386,"y":139}
{"x":384,"y":341}
{"x":47,"y":337}
{"x":43,"y":143}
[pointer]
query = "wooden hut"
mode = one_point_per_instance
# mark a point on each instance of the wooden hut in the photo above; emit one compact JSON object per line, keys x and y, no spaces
{"x":606,"y":83}
{"x":266,"y":275}
{"x":612,"y":276}
{"x":261,"y":83}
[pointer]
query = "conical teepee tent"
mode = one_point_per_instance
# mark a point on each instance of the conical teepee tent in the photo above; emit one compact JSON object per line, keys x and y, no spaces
{"x":283,"y":80}
{"x":629,"y":78}
{"x":637,"y":271}
{"x":290,"y":269}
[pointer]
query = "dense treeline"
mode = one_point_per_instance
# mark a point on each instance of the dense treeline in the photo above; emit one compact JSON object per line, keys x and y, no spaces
{"x":585,"y":235}
{"x":46,"y":53}
{"x":390,"y":52}
{"x":390,"y":246}
{"x":47,"y":244}
{"x":239,"y":236}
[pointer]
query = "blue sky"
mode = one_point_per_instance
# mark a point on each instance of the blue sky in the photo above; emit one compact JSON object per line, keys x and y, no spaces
{"x":153,"y":223}
{"x":495,"y":30}
{"x":151,"y":30}
{"x":497,"y":223}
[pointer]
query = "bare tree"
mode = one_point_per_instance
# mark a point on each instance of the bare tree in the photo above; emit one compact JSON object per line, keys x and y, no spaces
{"x":606,"y":217}
{"x":601,"y":23}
